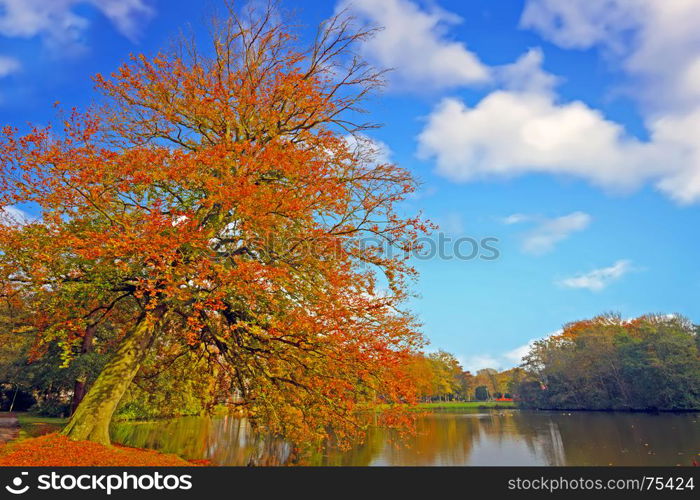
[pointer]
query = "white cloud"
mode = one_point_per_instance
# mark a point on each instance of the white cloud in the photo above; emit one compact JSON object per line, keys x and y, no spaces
{"x":581,"y":24}
{"x":479,"y":362}
{"x":523,"y":127}
{"x":501,"y":361}
{"x":526,"y":74}
{"x":372,"y":150}
{"x":598,"y":279}
{"x":515,"y":356}
{"x":415,"y":44}
{"x":127,"y":15}
{"x":8,"y":65}
{"x":504,"y":360}
{"x":13,"y":215}
{"x":57,"y":22}
{"x":675,"y":137}
{"x":657,"y":42}
{"x":513,"y":133}
{"x":549,"y":232}
{"x":515,"y":219}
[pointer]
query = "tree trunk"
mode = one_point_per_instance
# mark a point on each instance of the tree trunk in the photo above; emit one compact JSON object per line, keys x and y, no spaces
{"x":81,"y":381}
{"x":92,"y":417}
{"x":14,"y":398}
{"x":78,"y":394}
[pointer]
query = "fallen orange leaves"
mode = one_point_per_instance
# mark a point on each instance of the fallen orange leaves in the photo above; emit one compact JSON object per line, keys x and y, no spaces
{"x":55,"y":450}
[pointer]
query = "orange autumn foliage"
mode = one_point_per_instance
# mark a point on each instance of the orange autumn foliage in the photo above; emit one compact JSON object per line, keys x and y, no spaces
{"x":54,"y":450}
{"x":224,"y":202}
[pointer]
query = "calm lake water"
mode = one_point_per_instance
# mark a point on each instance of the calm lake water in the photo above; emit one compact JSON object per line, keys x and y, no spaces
{"x":495,"y":437}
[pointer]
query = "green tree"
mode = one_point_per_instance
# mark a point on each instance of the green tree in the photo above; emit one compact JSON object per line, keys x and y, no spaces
{"x":651,"y":362}
{"x":481,"y":393}
{"x":446,"y":372}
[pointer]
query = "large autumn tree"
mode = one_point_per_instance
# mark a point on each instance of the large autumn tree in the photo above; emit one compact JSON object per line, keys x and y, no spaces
{"x":224,"y":199}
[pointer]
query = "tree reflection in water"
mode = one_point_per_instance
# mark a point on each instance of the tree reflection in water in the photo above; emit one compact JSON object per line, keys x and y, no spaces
{"x":508,"y":437}
{"x":223,"y":441}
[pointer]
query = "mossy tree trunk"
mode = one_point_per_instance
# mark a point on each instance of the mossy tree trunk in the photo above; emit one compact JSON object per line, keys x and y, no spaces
{"x":92,"y":417}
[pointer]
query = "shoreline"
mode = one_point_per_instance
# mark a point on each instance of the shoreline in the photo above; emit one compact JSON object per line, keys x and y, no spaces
{"x":613,"y":410}
{"x":466,"y":405}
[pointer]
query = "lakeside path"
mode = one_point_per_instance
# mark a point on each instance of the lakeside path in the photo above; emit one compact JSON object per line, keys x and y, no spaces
{"x":9,"y":427}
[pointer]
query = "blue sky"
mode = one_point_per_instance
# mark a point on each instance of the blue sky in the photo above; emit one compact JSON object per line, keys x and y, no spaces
{"x":566,"y":130}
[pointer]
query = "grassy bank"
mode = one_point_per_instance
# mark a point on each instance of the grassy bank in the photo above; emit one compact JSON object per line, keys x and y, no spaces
{"x":40,"y":445}
{"x":34,"y":425}
{"x":466,"y":405}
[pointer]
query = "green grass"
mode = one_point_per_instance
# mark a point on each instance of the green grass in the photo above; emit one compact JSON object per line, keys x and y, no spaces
{"x":34,"y":425}
{"x":465,"y":405}
{"x":30,"y":419}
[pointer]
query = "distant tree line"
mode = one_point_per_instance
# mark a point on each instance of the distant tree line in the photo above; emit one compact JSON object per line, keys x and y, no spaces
{"x":649,"y":363}
{"x":441,"y":377}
